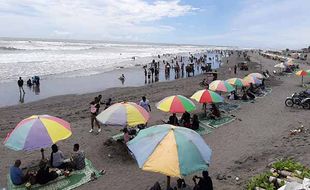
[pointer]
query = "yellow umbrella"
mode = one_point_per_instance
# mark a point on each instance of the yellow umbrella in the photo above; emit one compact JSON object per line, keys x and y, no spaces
{"x":124,"y":114}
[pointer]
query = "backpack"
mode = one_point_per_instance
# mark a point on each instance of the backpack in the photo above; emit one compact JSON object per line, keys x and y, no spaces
{"x":93,"y":108}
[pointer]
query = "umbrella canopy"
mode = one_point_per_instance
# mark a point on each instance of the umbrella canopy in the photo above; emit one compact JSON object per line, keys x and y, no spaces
{"x":222,"y":86}
{"x":257,"y":75}
{"x":251,"y":79}
{"x":124,"y":114}
{"x":302,"y":73}
{"x":176,"y":104}
{"x":36,"y":132}
{"x":170,"y":150}
{"x":237,"y":82}
{"x":289,"y":62}
{"x":280,"y":65}
{"x":207,"y":96}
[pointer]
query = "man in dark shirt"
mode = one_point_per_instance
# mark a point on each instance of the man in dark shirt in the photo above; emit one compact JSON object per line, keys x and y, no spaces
{"x":205,"y":182}
{"x":20,"y":83}
{"x":44,"y":175}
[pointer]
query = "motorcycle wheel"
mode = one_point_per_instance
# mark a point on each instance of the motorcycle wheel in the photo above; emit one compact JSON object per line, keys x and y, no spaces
{"x":306,"y":105}
{"x":289,"y":102}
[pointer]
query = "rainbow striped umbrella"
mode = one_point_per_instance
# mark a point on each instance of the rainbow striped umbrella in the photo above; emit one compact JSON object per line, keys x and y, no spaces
{"x":257,"y":75}
{"x":124,"y":114}
{"x":237,"y":82}
{"x":302,"y":73}
{"x":176,"y":104}
{"x":170,"y":150}
{"x":207,"y":96}
{"x":36,"y":132}
{"x":221,"y":86}
{"x":251,"y":79}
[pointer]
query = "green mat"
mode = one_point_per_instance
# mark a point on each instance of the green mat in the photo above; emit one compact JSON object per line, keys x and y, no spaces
{"x":119,"y":136}
{"x":76,"y":179}
{"x":215,"y":123}
{"x":203,"y":129}
{"x":228,"y":107}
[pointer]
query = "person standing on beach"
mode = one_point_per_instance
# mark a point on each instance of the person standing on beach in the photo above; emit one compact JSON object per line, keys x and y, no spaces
{"x":94,"y":110}
{"x":145,"y":73}
{"x":145,"y":104}
{"x":235,"y":69}
{"x":20,"y":83}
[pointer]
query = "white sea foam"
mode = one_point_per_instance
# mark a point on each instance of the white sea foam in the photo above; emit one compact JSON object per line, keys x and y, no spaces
{"x":51,"y":58}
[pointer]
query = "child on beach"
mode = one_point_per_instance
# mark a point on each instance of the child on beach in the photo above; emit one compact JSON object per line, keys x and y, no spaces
{"x":94,"y":109}
{"x":145,"y":104}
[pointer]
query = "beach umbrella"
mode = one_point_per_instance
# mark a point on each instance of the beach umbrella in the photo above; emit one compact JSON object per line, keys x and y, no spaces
{"x":257,"y":75}
{"x":207,"y":96}
{"x":124,"y":114}
{"x":289,"y":62}
{"x":302,"y":73}
{"x":238,"y":82}
{"x":36,"y":132}
{"x":176,"y":104}
{"x":280,"y":65}
{"x":251,"y":79}
{"x":221,"y":86}
{"x":170,"y":150}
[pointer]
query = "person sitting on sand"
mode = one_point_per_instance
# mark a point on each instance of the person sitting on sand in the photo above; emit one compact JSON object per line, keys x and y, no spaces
{"x":16,"y":174}
{"x":173,"y":120}
{"x":215,"y":112}
{"x":205,"y":182}
{"x":186,"y":119}
{"x":195,"y":122}
{"x":250,"y":95}
{"x":127,"y":136}
{"x":44,"y":175}
{"x":77,"y":158}
{"x":57,"y":158}
{"x":233,"y":96}
{"x":262,"y":86}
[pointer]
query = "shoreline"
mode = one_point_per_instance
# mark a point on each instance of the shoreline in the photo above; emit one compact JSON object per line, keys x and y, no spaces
{"x":51,"y":87}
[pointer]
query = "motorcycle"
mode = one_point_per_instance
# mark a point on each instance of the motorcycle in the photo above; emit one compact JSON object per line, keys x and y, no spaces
{"x":299,"y":99}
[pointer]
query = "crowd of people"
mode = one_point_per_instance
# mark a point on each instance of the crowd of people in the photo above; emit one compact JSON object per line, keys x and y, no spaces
{"x":49,"y":169}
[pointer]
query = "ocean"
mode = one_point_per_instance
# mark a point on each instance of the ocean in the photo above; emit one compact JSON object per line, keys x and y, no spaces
{"x":52,"y":58}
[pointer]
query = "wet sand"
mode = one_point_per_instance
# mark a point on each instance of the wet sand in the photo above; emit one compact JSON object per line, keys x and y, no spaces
{"x":241,"y":148}
{"x":49,"y":87}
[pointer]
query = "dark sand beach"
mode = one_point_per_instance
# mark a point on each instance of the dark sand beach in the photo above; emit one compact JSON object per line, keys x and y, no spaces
{"x":241,"y":148}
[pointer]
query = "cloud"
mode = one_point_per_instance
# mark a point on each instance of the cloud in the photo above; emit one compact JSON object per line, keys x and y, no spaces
{"x":281,"y":24}
{"x":90,"y":18}
{"x":267,"y":23}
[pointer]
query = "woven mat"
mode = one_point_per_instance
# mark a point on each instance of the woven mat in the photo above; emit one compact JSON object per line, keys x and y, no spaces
{"x":228,"y":107}
{"x":76,"y":179}
{"x":215,"y":123}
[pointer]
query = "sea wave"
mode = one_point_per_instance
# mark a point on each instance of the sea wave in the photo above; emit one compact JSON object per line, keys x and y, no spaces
{"x":10,"y":48}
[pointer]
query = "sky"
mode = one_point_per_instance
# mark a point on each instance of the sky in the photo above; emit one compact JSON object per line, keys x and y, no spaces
{"x":242,"y":23}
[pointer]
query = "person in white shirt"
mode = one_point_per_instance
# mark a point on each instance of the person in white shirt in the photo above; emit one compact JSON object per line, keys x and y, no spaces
{"x":145,"y":104}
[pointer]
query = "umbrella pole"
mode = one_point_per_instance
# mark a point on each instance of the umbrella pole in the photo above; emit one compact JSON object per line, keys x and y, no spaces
{"x":168,"y":182}
{"x":302,"y":80}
